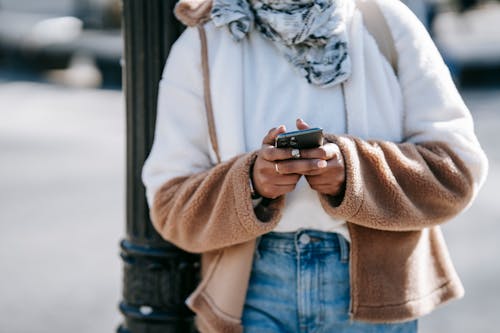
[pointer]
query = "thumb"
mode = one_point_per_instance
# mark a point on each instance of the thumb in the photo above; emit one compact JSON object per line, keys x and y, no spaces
{"x":272,"y":134}
{"x":301,"y":124}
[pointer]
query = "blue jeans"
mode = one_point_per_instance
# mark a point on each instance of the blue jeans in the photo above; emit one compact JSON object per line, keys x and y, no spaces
{"x":300,"y":283}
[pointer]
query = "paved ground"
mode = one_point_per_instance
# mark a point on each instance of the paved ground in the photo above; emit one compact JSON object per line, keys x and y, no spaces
{"x":61,"y":208}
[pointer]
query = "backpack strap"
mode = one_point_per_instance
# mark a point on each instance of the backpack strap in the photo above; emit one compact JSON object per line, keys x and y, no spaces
{"x":207,"y":92}
{"x":377,"y":26}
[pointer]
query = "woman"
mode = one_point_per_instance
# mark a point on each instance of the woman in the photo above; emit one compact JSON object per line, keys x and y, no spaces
{"x":340,"y":238}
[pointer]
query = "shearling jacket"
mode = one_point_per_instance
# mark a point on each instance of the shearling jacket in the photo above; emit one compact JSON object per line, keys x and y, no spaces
{"x":402,"y":180}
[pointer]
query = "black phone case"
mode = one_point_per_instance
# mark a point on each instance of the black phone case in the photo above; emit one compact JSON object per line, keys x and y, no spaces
{"x":303,"y":139}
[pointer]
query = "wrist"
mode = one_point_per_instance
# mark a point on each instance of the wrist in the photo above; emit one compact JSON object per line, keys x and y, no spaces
{"x":253,"y":192}
{"x":337,"y":198}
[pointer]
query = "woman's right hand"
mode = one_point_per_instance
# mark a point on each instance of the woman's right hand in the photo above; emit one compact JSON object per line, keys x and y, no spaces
{"x":266,"y":180}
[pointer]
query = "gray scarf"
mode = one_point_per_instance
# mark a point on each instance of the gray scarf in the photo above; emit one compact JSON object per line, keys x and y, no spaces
{"x":311,"y":34}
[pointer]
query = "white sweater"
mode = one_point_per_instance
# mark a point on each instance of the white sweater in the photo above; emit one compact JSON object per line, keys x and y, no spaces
{"x":254,"y":89}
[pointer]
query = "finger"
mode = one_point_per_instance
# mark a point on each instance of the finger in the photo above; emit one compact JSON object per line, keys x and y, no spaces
{"x":271,"y":174}
{"x":329,"y":151}
{"x":272,"y":134}
{"x":301,"y":124}
{"x":300,"y":166}
{"x":266,"y":172}
{"x":331,"y":169}
{"x":271,"y":153}
{"x":316,"y":172}
{"x":334,"y":170}
{"x":270,"y":184}
{"x":275,"y":191}
{"x":331,"y":175}
{"x":324,"y":189}
{"x":330,"y":189}
{"x":319,"y":180}
{"x":283,"y":180}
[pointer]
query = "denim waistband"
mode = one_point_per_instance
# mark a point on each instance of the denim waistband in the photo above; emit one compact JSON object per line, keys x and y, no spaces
{"x":305,"y":240}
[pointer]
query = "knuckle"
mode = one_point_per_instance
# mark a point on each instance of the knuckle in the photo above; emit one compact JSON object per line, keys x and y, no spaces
{"x":283,"y":167}
{"x":313,"y":164}
{"x":269,"y":136}
{"x":282,"y":153}
{"x":258,"y":171}
{"x":264,"y":154}
{"x":323,"y":153}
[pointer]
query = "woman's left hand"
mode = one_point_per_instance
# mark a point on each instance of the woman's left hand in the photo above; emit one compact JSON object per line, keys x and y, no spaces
{"x":329,"y":180}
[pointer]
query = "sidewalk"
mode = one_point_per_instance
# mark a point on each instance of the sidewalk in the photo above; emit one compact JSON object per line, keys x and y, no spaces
{"x":62,"y":198}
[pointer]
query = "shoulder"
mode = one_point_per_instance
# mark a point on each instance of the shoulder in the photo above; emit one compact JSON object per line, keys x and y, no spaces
{"x":188,"y":44}
{"x":417,"y":54}
{"x":185,"y":58}
{"x":402,"y":21}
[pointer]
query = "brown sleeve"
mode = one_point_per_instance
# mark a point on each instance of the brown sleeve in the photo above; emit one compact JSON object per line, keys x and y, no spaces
{"x":213,"y":209}
{"x":399,"y":187}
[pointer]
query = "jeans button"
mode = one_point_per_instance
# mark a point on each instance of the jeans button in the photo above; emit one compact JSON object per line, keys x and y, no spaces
{"x":304,"y":239}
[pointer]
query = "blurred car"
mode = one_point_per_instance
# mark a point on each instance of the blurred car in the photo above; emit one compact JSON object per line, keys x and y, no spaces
{"x":51,"y":34}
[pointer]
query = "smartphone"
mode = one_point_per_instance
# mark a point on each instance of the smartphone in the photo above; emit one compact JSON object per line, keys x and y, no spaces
{"x":303,"y":139}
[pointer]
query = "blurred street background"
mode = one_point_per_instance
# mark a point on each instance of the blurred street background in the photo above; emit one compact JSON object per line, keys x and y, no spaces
{"x":62,"y":164}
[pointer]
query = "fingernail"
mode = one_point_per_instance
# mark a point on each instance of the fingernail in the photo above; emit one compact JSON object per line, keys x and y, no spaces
{"x":322,"y":164}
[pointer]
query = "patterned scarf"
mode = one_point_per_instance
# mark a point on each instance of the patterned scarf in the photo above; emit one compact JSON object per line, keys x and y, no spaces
{"x":311,"y":34}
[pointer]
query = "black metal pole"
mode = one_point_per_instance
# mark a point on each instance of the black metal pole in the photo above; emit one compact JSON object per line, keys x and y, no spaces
{"x":157,"y":276}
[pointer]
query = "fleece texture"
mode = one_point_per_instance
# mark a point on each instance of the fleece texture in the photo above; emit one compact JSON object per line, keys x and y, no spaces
{"x":395,"y":196}
{"x":211,"y":210}
{"x":412,"y":162}
{"x":400,"y":187}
